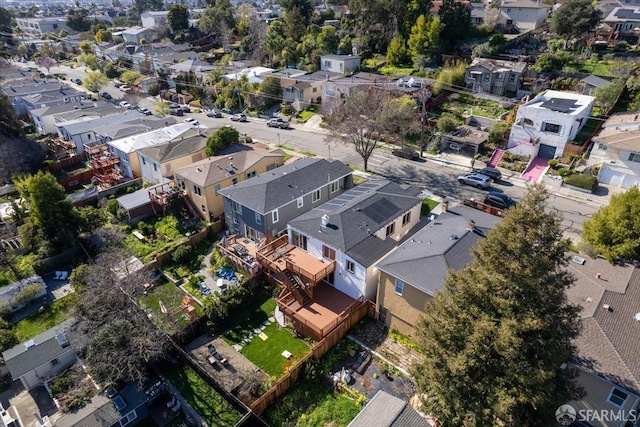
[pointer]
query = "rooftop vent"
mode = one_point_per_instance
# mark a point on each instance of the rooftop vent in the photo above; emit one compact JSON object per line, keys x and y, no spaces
{"x":199,"y":169}
{"x":607,"y":307}
{"x":471,"y":225}
{"x":29,"y":344}
{"x":62,"y":340}
{"x":637,"y":317}
{"x":453,"y":237}
{"x":325,"y":220}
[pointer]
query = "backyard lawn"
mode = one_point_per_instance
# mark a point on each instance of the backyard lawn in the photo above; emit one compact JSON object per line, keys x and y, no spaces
{"x":205,"y":400}
{"x":267,"y":354}
{"x":245,"y":321}
{"x":60,"y":310}
{"x":171,"y":297}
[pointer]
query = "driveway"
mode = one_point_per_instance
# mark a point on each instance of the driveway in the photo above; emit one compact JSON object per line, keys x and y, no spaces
{"x":22,"y":404}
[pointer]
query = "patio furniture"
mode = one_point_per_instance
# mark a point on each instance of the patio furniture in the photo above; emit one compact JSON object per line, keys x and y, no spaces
{"x":212,"y":361}
{"x":286,"y":354}
{"x":211,"y":348}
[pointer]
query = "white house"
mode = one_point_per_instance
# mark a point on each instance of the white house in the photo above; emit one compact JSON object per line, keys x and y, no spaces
{"x":254,"y":74}
{"x":136,"y":34}
{"x":525,"y":15}
{"x":618,"y":147}
{"x":343,"y":64}
{"x":152,"y":19}
{"x":356,"y":229}
{"x":126,"y":148}
{"x":545,"y":124}
{"x":43,"y":355}
{"x":40,"y":26}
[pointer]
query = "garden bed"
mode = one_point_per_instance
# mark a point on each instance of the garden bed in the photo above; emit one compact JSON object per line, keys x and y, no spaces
{"x":171,"y":298}
{"x":462,"y":105}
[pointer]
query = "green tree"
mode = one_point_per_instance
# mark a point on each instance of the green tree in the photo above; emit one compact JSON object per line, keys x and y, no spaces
{"x":614,"y":231}
{"x":77,"y":20}
{"x":51,"y":212}
{"x":8,"y":338}
{"x":415,"y":9}
{"x":6,"y":21}
{"x":271,"y":91}
{"x":275,"y":41}
{"x":154,"y":89}
{"x":222,"y":138}
{"x":178,"y":17}
{"x":397,"y":52}
{"x":575,"y":18}
{"x":94,"y":81}
{"x":328,"y":39}
{"x":446,"y":124}
{"x":293,"y":24}
{"x":498,"y":133}
{"x":425,"y":37}
{"x":103,"y":36}
{"x":217,"y":18}
{"x":111,"y":71}
{"x":549,"y":61}
{"x":367,"y":114}
{"x":305,"y":7}
{"x":450,"y":76}
{"x":89,"y":60}
{"x":495,"y":339}
{"x":607,"y":94}
{"x":130,"y":77}
{"x":46,"y":62}
{"x":162,"y":108}
{"x":456,"y":20}
{"x":375,"y":22}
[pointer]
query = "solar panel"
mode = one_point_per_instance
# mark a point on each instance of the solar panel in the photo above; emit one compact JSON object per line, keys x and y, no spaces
{"x":119,"y":402}
{"x":560,"y":104}
{"x":381,"y":210}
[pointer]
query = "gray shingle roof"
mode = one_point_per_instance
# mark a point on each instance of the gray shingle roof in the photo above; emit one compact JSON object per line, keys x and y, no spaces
{"x":594,"y":81}
{"x":385,"y":410}
{"x":187,"y":144}
{"x":135,"y":199}
{"x":433,"y":250}
{"x":9,"y":292}
{"x":358,"y":214}
{"x":280,"y":186}
{"x":22,"y":359}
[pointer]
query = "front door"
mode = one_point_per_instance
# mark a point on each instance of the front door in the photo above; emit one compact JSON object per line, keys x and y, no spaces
{"x":250,"y":233}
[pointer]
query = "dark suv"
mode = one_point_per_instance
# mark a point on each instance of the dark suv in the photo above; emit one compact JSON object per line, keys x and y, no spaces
{"x":405,"y":153}
{"x":492,"y":173}
{"x":499,"y":200}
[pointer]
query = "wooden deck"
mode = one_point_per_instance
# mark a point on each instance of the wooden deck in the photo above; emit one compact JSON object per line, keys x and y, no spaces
{"x":280,"y":255}
{"x":241,"y":252}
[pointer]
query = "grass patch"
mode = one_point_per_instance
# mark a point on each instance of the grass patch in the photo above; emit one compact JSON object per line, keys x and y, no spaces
{"x":598,"y":68}
{"x":248,"y":319}
{"x":307,"y":113}
{"x":209,"y":404}
{"x":304,"y":153}
{"x":427,"y":206}
{"x":390,"y":70}
{"x":171,"y":297}
{"x":268,"y":354}
{"x":58,"y":311}
{"x":404,"y":340}
{"x":373,"y":64}
{"x":357,"y":179}
{"x":191,"y":264}
{"x":586,"y":131}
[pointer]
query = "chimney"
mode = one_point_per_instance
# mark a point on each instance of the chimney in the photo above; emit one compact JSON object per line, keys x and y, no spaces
{"x":471,"y":225}
{"x":444,"y":205}
{"x":607,"y":307}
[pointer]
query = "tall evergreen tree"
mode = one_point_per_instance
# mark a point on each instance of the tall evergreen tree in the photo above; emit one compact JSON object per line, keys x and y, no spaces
{"x":495,"y":339}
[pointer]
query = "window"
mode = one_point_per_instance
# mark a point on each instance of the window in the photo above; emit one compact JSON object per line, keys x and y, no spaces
{"x":487,"y":77}
{"x":315,"y":196}
{"x":351,"y":267}
{"x":300,"y":202}
{"x":328,"y":253}
{"x":197,"y":190}
{"x":234,"y":181}
{"x":128,"y":418}
{"x":406,"y":218}
{"x":508,"y":9}
{"x":399,"y":288}
{"x":203,"y":207}
{"x":314,"y":90}
{"x":300,"y":240}
{"x":274,"y":216}
{"x":391,"y":228}
{"x":258,"y":218}
{"x":251,"y":174}
{"x":237,"y":207}
{"x":155,"y":167}
{"x":335,"y":186}
{"x":551,"y":127}
{"x":144,"y":161}
{"x":512,"y":77}
{"x":617,"y":397}
{"x":181,"y":184}
{"x":634,"y":157}
{"x":217,"y":188}
{"x":500,"y":76}
{"x":528,"y":122}
{"x":89,"y":136}
{"x":54,"y":362}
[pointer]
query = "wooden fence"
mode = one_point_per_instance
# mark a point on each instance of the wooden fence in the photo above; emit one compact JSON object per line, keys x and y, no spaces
{"x":67,"y":163}
{"x":365,"y":308}
{"x":163,"y":258}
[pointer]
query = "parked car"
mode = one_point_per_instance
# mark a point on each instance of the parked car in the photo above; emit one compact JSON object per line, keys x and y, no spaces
{"x":475,"y":180}
{"x":124,"y":104}
{"x":239,"y":117}
{"x":77,"y":81}
{"x":117,"y":83}
{"x":214,"y":113}
{"x":499,"y":200}
{"x":125,"y":88}
{"x":278,"y":123}
{"x":186,"y":109}
{"x":144,"y":111}
{"x":277,"y":114}
{"x":176,"y":112}
{"x":406,"y":153}
{"x":492,"y":173}
{"x":192,"y":121}
{"x":173,"y":104}
{"x":105,"y":95}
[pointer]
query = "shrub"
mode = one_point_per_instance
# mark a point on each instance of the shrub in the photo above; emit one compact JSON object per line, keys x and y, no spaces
{"x":553,"y":163}
{"x":60,"y":385}
{"x":181,"y":254}
{"x":563,"y":171}
{"x":582,"y":180}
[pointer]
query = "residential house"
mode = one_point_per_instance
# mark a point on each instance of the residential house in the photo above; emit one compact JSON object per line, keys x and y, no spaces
{"x":126,"y":148}
{"x":523,"y":15}
{"x":546,"y":123}
{"x":253,"y":74}
{"x":45,"y":354}
{"x":109,"y":132}
{"x":609,"y":343}
{"x":199,"y":69}
{"x":343,"y":64}
{"x":304,"y":89}
{"x":136,"y":34}
{"x":617,"y":147}
{"x":113,"y":408}
{"x":591,"y":83}
{"x":45,"y":118}
{"x":11,"y":298}
{"x":38,"y":27}
{"x":411,"y":275}
{"x":202,"y":180}
{"x":137,"y":205}
{"x":158,"y":162}
{"x":162,"y":61}
{"x":495,"y":76}
{"x":334,"y":91}
{"x":152,"y":19}
{"x":263,"y":205}
{"x":83,"y":130}
{"x":40,"y":93}
{"x":624,"y":22}
{"x":356,"y":230}
{"x":385,"y":410}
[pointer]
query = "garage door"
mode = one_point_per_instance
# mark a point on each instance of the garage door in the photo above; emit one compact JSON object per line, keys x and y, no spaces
{"x":547,"y":151}
{"x":609,"y":177}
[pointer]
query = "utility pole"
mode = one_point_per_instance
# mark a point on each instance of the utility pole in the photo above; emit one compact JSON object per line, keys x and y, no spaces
{"x":424,"y":96}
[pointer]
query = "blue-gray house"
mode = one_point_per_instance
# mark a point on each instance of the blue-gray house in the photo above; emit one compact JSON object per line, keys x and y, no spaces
{"x":264,"y":204}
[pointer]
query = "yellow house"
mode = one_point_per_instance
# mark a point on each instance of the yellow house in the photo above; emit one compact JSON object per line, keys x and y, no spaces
{"x":412,"y":274}
{"x":204,"y":179}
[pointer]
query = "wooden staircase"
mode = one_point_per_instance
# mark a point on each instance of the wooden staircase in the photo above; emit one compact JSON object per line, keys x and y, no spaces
{"x":496,"y":157}
{"x":297,"y":287}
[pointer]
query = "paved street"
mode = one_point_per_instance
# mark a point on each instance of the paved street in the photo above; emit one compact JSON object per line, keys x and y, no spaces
{"x":437,"y":175}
